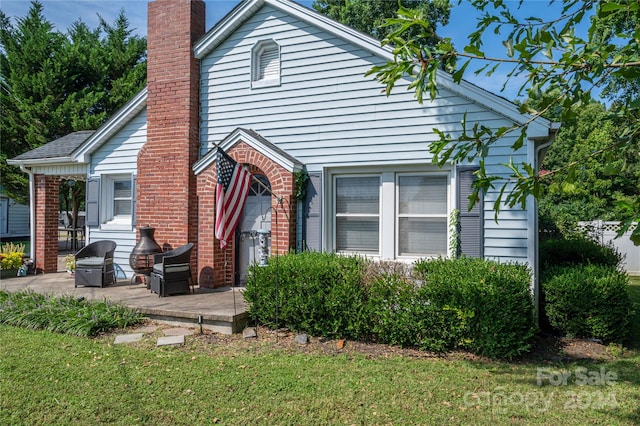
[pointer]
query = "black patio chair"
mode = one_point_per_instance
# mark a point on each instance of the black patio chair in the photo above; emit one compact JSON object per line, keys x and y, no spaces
{"x":94,"y":264}
{"x":172,"y":271}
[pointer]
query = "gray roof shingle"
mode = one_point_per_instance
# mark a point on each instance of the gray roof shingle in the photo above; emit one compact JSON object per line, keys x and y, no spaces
{"x":61,"y":147}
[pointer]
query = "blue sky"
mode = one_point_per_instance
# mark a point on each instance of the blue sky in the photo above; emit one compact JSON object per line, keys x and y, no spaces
{"x":61,"y":13}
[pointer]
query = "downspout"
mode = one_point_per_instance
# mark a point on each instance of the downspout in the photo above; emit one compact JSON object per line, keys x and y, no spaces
{"x":539,"y":153}
{"x":32,"y":213}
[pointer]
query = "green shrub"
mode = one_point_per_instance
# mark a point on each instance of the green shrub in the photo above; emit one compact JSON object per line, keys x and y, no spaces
{"x":588,"y":301}
{"x":493,"y":299}
{"x":318,"y":293}
{"x":402,"y":315}
{"x":65,"y":314}
{"x":576,"y":250}
{"x":445,"y":304}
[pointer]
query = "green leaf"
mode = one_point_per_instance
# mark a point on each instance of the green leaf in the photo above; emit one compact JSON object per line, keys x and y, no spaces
{"x":508,"y":44}
{"x":457,"y":76}
{"x":474,"y":50}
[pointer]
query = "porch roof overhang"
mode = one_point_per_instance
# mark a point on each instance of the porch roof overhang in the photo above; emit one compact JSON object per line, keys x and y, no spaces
{"x":55,"y":157}
{"x":257,"y":142}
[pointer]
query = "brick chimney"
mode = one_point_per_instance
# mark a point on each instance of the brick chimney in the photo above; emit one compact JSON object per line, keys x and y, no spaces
{"x":166,"y":185}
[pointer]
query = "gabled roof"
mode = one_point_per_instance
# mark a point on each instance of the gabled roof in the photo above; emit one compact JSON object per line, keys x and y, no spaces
{"x":539,"y":128}
{"x":77,"y":146}
{"x":257,"y":142}
{"x":61,"y":149}
{"x":116,"y":122}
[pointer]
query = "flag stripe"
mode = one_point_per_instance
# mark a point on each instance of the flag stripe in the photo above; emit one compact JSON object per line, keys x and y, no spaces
{"x":231,"y":193}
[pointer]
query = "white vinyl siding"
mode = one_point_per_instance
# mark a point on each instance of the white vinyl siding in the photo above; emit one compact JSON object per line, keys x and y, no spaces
{"x":265,"y":64}
{"x":358,"y":214}
{"x":116,"y":161}
{"x":329,"y":116}
{"x":422,"y":215}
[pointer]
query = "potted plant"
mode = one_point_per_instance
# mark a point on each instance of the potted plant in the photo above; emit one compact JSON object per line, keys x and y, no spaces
{"x":10,"y":259}
{"x":70,"y":263}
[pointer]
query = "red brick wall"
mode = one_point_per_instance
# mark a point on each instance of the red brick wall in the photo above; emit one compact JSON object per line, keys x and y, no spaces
{"x":166,"y":185}
{"x":46,"y":221}
{"x":217,"y":267}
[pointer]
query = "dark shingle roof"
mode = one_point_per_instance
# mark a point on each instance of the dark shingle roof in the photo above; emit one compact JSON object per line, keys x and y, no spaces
{"x":61,"y":147}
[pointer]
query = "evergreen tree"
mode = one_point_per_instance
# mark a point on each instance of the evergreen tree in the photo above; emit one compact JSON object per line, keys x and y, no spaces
{"x":53,"y":84}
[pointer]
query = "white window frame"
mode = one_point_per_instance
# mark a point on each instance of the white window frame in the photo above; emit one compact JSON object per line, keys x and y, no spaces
{"x":389,"y":208}
{"x":444,"y":216}
{"x":256,"y":55}
{"x":335,"y":214}
{"x":112,"y":221}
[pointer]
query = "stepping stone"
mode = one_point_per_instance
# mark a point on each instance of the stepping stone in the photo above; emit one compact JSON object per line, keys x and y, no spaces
{"x":249,"y":332}
{"x":177,"y":331}
{"x":147,"y":329}
{"x":171,"y":340}
{"x":127,"y":338}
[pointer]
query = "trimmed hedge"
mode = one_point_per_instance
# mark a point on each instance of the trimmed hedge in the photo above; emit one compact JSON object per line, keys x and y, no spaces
{"x":476,"y":304}
{"x":588,"y":301}
{"x":576,"y":250}
{"x":494,"y":299}
{"x":320,"y":294}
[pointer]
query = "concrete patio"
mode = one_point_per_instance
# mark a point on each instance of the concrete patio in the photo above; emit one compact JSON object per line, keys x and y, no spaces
{"x":221,"y":310}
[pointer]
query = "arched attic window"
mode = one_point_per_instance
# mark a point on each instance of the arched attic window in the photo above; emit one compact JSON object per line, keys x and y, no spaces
{"x":265,"y":64}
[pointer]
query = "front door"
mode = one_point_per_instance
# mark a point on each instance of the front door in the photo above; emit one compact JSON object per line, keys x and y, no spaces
{"x":256,"y":215}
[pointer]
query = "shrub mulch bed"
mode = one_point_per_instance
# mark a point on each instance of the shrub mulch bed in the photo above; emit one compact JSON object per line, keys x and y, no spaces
{"x":546,"y":348}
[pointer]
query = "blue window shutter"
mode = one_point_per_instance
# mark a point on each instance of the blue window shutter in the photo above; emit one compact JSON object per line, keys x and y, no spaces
{"x":311,"y":214}
{"x":92,"y":202}
{"x":471,"y":228}
{"x":133,"y":200}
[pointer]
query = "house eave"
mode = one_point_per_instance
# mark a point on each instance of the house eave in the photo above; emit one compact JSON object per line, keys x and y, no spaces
{"x":238,"y":135}
{"x":111,"y":126}
{"x":53,"y":161}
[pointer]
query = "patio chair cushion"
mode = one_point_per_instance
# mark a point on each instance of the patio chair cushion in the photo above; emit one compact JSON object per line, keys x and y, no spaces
{"x":90,"y":261}
{"x":178,"y":267}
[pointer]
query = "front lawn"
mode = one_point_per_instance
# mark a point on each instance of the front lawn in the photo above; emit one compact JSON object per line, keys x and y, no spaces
{"x":48,"y":378}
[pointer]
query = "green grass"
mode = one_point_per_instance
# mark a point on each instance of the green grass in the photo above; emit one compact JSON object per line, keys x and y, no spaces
{"x":48,"y":378}
{"x":55,"y":379}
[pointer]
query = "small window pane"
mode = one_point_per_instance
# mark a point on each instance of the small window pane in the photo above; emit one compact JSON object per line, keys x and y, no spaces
{"x":422,"y":236}
{"x":422,"y":195}
{"x":357,"y":234}
{"x":357,"y":195}
{"x":122,"y":207}
{"x":122,"y":189}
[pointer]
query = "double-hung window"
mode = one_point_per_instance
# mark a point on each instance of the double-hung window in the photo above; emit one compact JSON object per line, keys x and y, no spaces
{"x":421,"y":215}
{"x":118,"y":200}
{"x":391,"y":214}
{"x":122,"y":198}
{"x":357,"y":214}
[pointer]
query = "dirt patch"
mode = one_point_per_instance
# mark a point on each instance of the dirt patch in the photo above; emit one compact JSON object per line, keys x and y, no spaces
{"x":546,"y":348}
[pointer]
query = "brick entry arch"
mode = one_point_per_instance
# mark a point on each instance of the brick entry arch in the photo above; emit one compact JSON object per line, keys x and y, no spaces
{"x":216,"y":267}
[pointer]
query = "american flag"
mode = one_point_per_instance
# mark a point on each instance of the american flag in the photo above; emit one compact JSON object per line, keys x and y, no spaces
{"x":231,"y":193}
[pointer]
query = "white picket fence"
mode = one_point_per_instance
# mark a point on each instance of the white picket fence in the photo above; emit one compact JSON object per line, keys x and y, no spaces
{"x":605,"y":233}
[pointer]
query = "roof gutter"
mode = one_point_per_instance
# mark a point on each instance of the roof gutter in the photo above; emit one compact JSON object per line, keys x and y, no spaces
{"x":39,"y":161}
